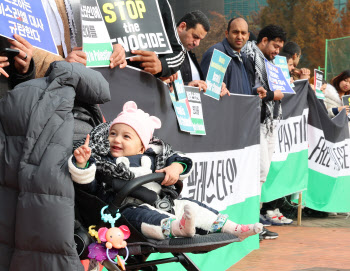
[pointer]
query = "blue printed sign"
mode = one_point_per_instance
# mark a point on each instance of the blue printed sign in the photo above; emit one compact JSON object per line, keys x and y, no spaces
{"x":183,"y":116}
{"x":26,"y":18}
{"x":179,"y":87}
{"x":276,"y":78}
{"x":281,"y":61}
{"x":217,"y":69}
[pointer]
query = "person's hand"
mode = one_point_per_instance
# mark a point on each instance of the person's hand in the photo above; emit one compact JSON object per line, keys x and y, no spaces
{"x":200,"y":84}
{"x":346,"y":107}
{"x":169,"y":79}
{"x":83,"y":153}
{"x":278,"y":95}
{"x":3,"y":63}
{"x":261,"y":92}
{"x":118,"y":57}
{"x":224,"y":91}
{"x":172,"y":173}
{"x":305,"y":73}
{"x":77,"y":55}
{"x":150,"y":61}
{"x":22,"y":60}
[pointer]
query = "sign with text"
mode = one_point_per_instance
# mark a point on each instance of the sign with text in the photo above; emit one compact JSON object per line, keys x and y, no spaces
{"x":281,"y":61}
{"x":318,"y":82}
{"x":136,"y":25}
{"x":96,"y":41}
{"x":26,"y":18}
{"x":217,"y":69}
{"x":196,"y":110}
{"x":276,"y":78}
{"x":179,"y":87}
{"x":183,"y":116}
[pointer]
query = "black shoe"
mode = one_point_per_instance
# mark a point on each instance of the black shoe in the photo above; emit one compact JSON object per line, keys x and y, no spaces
{"x":266,"y":234}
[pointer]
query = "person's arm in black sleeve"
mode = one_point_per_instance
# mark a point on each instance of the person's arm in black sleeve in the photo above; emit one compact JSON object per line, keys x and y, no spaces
{"x":184,"y":161}
{"x":206,"y":61}
{"x":171,"y":63}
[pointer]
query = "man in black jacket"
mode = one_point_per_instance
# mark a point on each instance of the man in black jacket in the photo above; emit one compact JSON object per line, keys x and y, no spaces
{"x":192,"y":28}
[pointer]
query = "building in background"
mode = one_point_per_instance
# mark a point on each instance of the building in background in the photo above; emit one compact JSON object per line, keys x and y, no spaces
{"x":234,"y":8}
{"x":340,"y":4}
{"x":181,"y":7}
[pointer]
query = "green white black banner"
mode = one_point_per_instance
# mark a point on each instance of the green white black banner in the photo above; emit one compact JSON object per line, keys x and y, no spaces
{"x":329,"y":163}
{"x":289,"y":167}
{"x":226,"y":165}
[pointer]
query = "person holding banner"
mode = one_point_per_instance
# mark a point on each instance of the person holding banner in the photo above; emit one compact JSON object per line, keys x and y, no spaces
{"x":62,"y":24}
{"x":125,"y":148}
{"x":270,"y":40}
{"x":192,"y":28}
{"x":335,"y":92}
{"x":15,"y":66}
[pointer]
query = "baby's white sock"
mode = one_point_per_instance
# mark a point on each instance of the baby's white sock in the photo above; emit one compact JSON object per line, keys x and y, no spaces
{"x":242,"y":231}
{"x":184,"y":227}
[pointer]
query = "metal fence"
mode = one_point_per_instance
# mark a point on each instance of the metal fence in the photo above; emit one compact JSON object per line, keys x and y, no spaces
{"x":337,"y":57}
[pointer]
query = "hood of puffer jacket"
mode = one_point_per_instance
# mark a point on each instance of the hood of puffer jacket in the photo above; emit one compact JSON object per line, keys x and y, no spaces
{"x":332,"y":96}
{"x":36,"y":190}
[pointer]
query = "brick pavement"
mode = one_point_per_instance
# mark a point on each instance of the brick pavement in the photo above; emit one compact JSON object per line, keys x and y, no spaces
{"x":320,"y":244}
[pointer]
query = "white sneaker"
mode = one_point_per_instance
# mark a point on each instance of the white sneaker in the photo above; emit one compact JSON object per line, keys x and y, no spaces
{"x":282,"y":218}
{"x":272,"y":218}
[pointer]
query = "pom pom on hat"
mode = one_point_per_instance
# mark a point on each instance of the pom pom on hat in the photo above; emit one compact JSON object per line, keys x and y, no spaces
{"x":143,"y":124}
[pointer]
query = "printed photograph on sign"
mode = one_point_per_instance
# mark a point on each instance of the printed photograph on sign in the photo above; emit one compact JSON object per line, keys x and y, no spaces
{"x":136,"y":25}
{"x":27,"y":19}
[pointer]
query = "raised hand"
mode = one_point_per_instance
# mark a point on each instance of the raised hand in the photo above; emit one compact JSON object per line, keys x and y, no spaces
{"x":83,"y":153}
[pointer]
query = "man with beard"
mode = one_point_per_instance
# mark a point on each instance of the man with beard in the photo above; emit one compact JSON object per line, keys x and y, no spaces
{"x":270,"y":40}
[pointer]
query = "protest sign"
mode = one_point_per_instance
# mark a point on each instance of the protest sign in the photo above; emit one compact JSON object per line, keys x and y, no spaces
{"x":217,"y":69}
{"x":196,"y":110}
{"x":136,"y":25}
{"x":225,"y":162}
{"x":281,"y":61}
{"x":96,"y":41}
{"x":276,"y":78}
{"x":318,"y":82}
{"x":27,"y":19}
{"x":183,"y":116}
{"x":179,"y":87}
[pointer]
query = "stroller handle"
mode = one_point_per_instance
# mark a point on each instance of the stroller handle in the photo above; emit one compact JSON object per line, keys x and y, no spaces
{"x":132,"y":186}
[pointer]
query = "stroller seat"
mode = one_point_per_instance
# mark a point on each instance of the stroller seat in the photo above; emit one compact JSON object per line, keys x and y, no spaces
{"x":88,"y":213}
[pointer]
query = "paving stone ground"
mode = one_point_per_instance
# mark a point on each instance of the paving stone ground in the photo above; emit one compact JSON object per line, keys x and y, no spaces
{"x":319,"y":244}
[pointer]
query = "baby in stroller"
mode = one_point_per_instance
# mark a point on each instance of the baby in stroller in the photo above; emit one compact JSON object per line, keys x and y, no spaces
{"x":126,"y":149}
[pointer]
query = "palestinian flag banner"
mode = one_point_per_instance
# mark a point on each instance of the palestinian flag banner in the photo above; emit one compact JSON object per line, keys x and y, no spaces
{"x":329,"y":163}
{"x":226,"y":160}
{"x":289,"y":167}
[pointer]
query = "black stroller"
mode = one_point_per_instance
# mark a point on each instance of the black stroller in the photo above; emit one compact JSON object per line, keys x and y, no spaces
{"x":88,"y":209}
